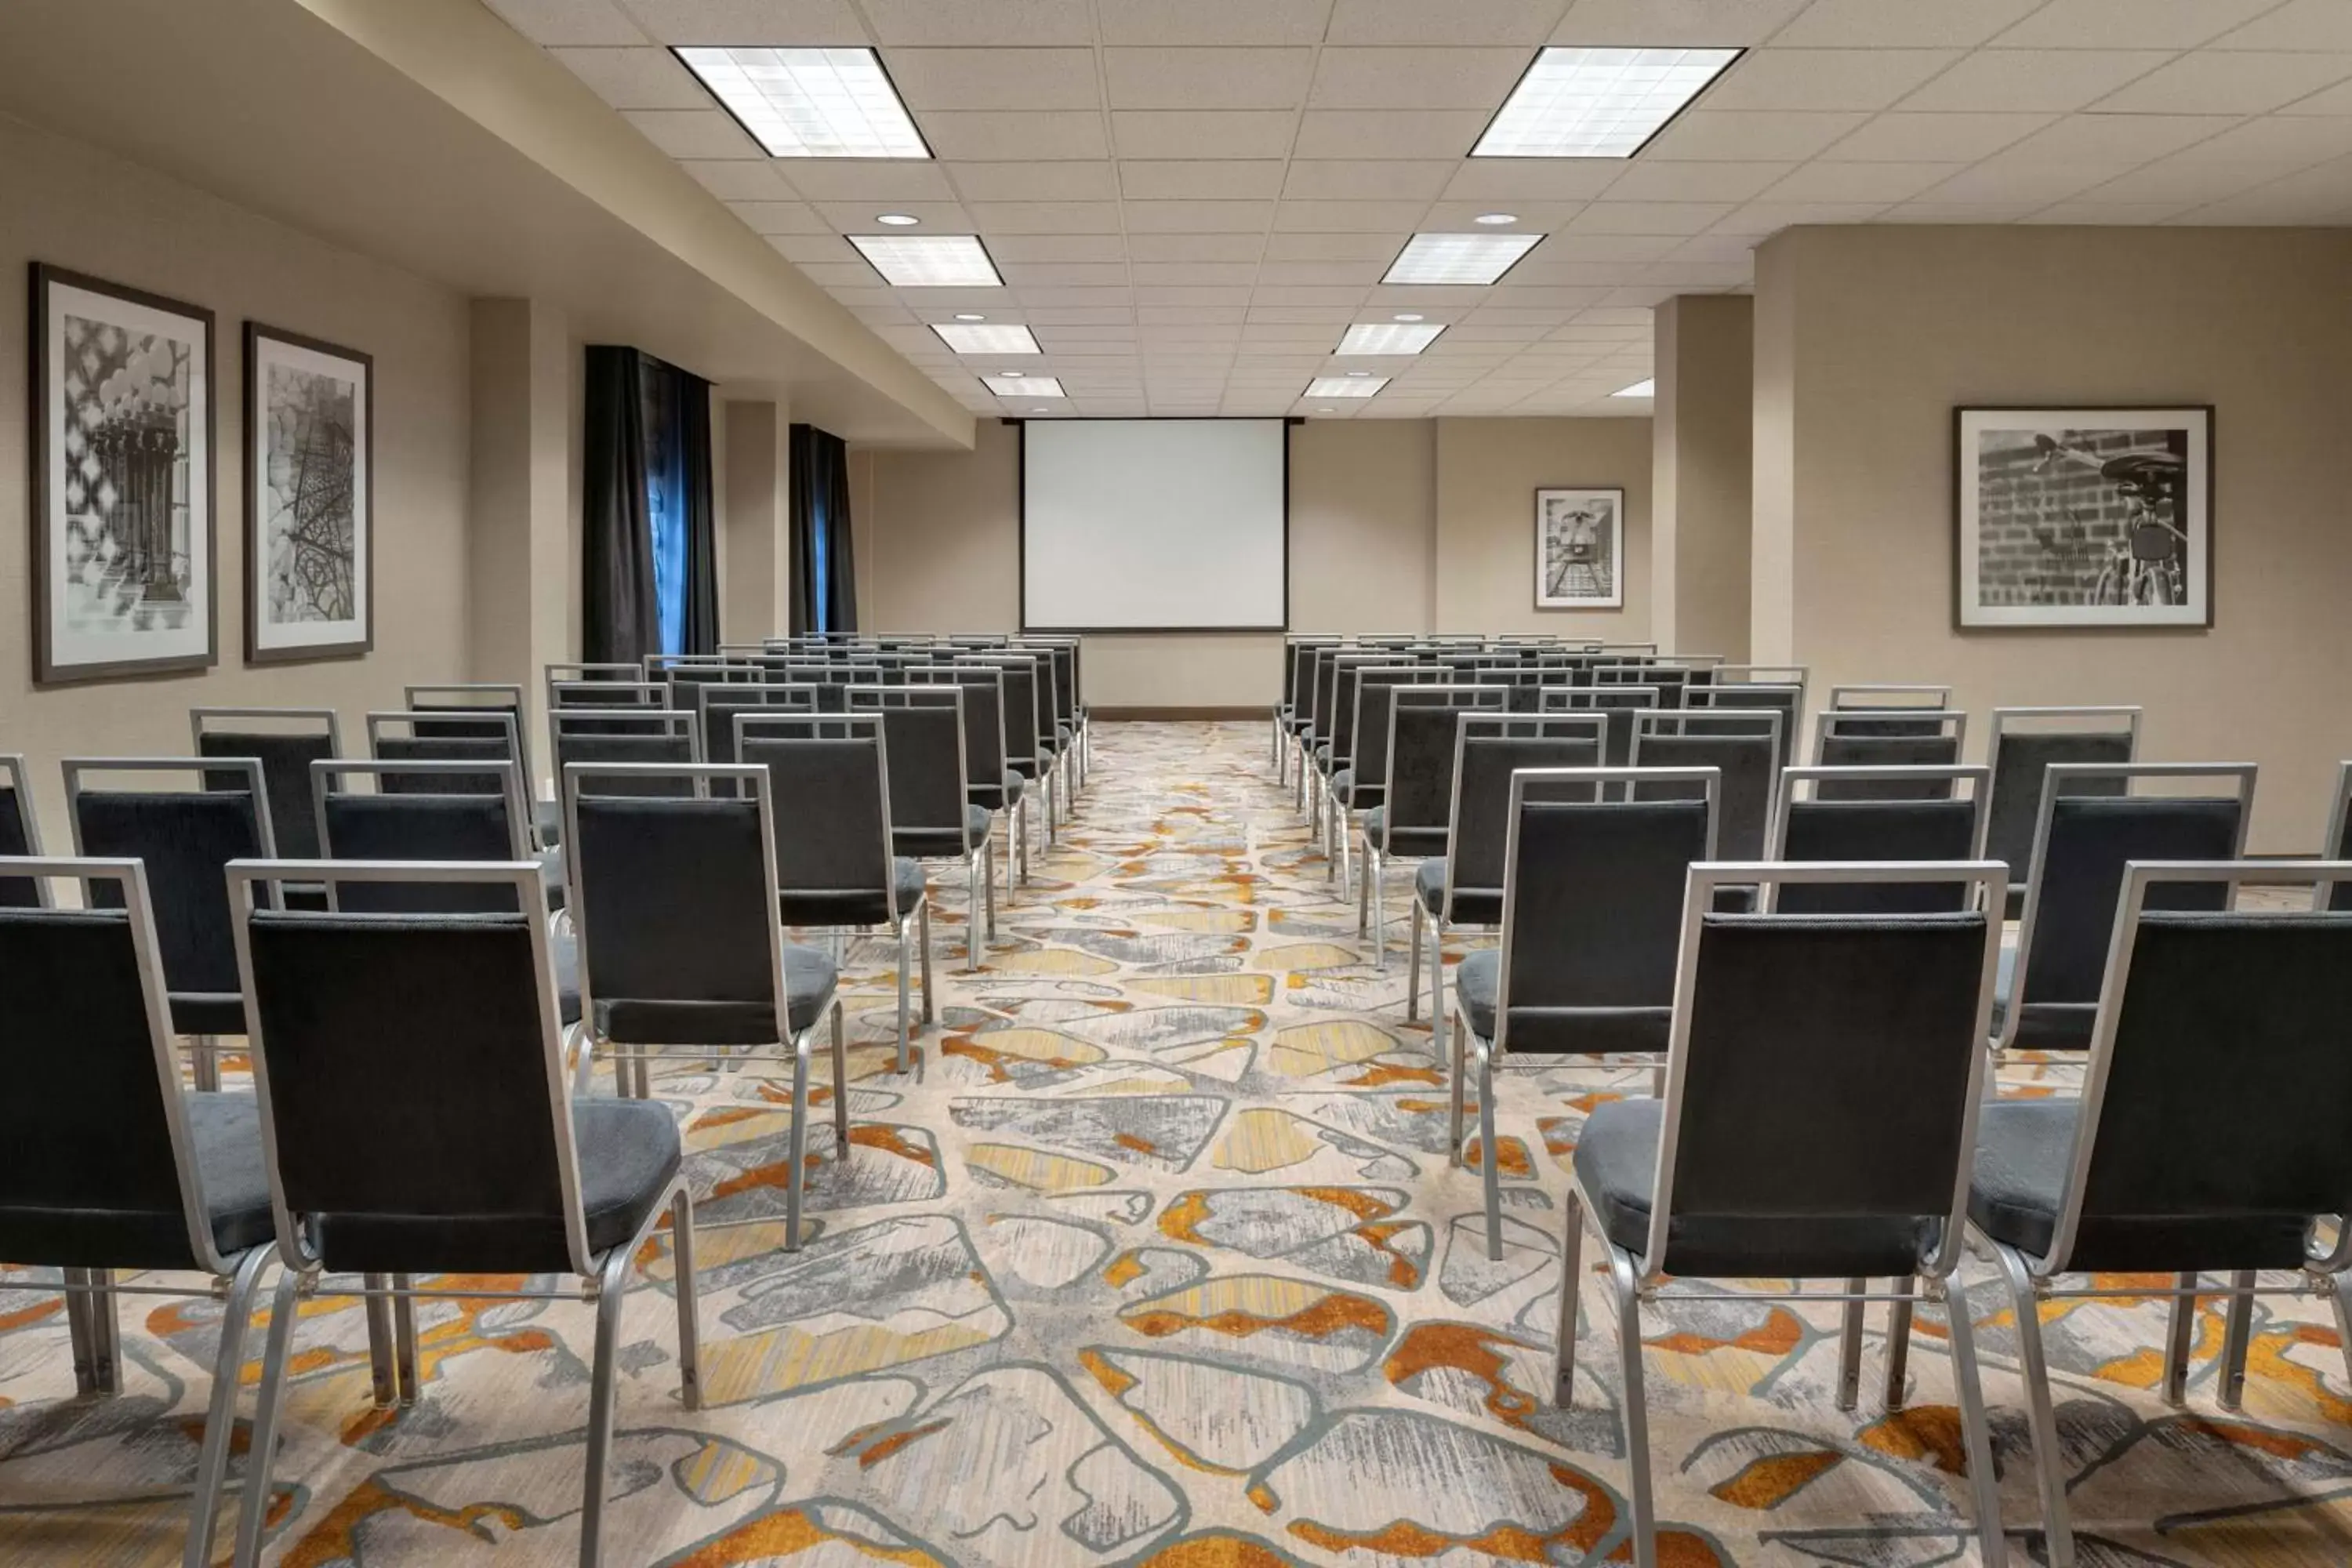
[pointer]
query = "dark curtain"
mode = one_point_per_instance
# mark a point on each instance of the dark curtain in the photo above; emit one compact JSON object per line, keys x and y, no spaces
{"x":823,"y":577}
{"x":649,"y":560}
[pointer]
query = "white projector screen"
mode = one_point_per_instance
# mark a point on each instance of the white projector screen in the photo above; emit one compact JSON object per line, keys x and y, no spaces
{"x":1154,"y":525}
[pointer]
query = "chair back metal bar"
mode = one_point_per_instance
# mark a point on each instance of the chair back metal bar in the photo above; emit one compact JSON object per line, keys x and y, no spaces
{"x":20,"y":835}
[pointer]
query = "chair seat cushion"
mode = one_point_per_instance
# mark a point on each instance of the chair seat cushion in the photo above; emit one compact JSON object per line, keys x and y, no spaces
{"x":2041,"y":1025}
{"x":2024,"y":1149}
{"x":225,"y":1139}
{"x":1471,"y":906}
{"x":1343,"y":784}
{"x":1013,"y":784}
{"x":226,"y":1130}
{"x":1477,"y":980}
{"x":628,"y":1152}
{"x":1409,"y":841}
{"x":814,"y":909}
{"x":1617,"y":1163}
{"x":566,"y":953}
{"x":809,"y":979}
{"x":207,"y":1012}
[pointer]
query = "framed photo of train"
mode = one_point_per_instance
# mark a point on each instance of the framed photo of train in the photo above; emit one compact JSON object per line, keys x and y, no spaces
{"x":2070,"y":517}
{"x":1580,"y":550}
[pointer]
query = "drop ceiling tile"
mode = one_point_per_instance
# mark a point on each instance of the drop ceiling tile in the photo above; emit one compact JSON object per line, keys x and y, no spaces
{"x":780,"y":217}
{"x":1416,"y":77}
{"x":1545,"y":317}
{"x":995,"y":78}
{"x":1956,"y":212}
{"x":786,"y":23}
{"x":1379,"y":247}
{"x":1045,"y":217}
{"x":1997,"y":181}
{"x":1367,"y":179}
{"x":1400,"y":133}
{"x":1181,"y":247}
{"x":1692,"y":182}
{"x":1771,"y":217}
{"x":1188,"y":294}
{"x":868,"y":180}
{"x":636,"y":79}
{"x":1227,"y":334}
{"x":2297,"y":24}
{"x":1650,"y":24}
{"x":551,"y":22}
{"x":2153,"y":23}
{"x":832,"y":274}
{"x":1277,"y":274}
{"x":1229,"y":22}
{"x":1724,"y":247}
{"x":1033,"y":274}
{"x":1220,"y":273}
{"x":1534,"y":218}
{"x":1713,"y":136}
{"x":1349,"y":217}
{"x":1015,"y":135}
{"x":1488,"y":181}
{"x":1825,"y":79}
{"x":731,"y":180}
{"x":804,"y":248}
{"x":1343,"y":295}
{"x":2320,"y":195}
{"x":1882,"y":24}
{"x":1573,"y":247}
{"x":2334,"y":100}
{"x":1206,"y":179}
{"x":1083,"y":339}
{"x":2051,"y":81}
{"x":694,"y":133}
{"x":1200,"y":217}
{"x":858,"y":217}
{"x":1537,"y":296}
{"x":1177,"y":315}
{"x":2104,"y":138}
{"x":1955,"y":138}
{"x":1071,"y":181}
{"x":1071,"y":296}
{"x":1203,"y":134}
{"x":1648,"y":218}
{"x":2279,"y":143}
{"x":2214,"y":82}
{"x":980,"y":22}
{"x":1300,"y":315}
{"x":2134,"y":214}
{"x":1078,"y":315}
{"x":1860,"y":182}
{"x":2169,"y":181}
{"x":1009,"y":248}
{"x":1481,"y":328}
{"x":1194,"y":79}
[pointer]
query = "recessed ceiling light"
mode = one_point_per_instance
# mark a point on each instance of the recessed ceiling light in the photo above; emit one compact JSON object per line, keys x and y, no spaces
{"x":1015,"y":384}
{"x":810,"y":103}
{"x":902,"y":220}
{"x":1041,"y":411}
{"x":969,"y":316}
{"x":1639,"y":389}
{"x":929,"y":261}
{"x":1327,"y":411}
{"x":1597,"y":103}
{"x":1474,"y":258}
{"x":1405,"y":316}
{"x":1344,"y":386}
{"x":1382,"y":338}
{"x":1496,"y":220}
{"x":1009,"y":339}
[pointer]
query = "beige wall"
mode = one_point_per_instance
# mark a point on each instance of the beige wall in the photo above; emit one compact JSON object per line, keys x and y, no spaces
{"x":1703,"y":416}
{"x":1856,"y":396}
{"x":1395,"y":525}
{"x":752,"y":465}
{"x":73,"y":206}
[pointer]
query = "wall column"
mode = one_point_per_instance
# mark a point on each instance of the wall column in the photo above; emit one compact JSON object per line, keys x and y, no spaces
{"x":522,"y":560}
{"x":1700,"y":490}
{"x":754,"y":599}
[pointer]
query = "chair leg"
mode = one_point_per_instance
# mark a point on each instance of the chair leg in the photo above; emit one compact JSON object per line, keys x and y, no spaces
{"x":1412,"y":963}
{"x":383,"y":1374}
{"x":1436,"y":987}
{"x":581,"y":1042}
{"x":840,"y":1086}
{"x":1571,"y":1282}
{"x":612,"y":1284}
{"x":78,"y":1332}
{"x":987,"y":884}
{"x":1898,"y":1344}
{"x":1456,"y":1099}
{"x":1849,"y":1388}
{"x":975,"y":915}
{"x":2236,"y":1340}
{"x":689,"y":1328}
{"x":2338,"y":1288}
{"x":220,"y":1416}
{"x":1637,"y":1414}
{"x":105,"y":1332}
{"x":1490,"y":1160}
{"x":403,"y":1337}
{"x":906,"y":953}
{"x":204,"y":1055}
{"x":2179,"y":1334}
{"x":1364,"y":897}
{"x":923,"y":942}
{"x":796,"y":1145}
{"x":2041,"y":1418}
{"x":261,"y":1452}
{"x":1976,"y":1428}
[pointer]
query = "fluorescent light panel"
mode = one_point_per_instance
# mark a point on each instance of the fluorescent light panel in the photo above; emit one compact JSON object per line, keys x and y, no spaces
{"x":1388,"y":338}
{"x":1471,"y":259}
{"x":997,"y":339}
{"x":1597,"y":103}
{"x":1639,"y":389}
{"x":929,"y":261}
{"x":810,"y":103}
{"x":1344,"y":386}
{"x":1026,"y":386}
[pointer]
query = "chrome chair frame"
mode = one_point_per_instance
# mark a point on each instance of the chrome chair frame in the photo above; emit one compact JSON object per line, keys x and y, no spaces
{"x":1372,"y":906}
{"x":979,"y":863}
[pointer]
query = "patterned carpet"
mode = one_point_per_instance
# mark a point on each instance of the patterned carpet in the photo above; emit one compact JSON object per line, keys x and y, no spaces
{"x":1163,"y":1264}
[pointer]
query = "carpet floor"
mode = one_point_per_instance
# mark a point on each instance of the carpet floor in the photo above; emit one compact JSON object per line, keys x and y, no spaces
{"x":1161,"y":1262}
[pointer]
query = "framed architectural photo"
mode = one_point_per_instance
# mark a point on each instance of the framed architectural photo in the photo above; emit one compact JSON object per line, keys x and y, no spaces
{"x":121,"y":516}
{"x":1580,"y":550}
{"x":2083,"y":517}
{"x":309,"y":525}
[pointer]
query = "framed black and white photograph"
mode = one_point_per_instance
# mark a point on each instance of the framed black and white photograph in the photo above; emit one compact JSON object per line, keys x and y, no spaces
{"x":121,"y":516}
{"x":308,"y":517}
{"x":2083,"y":517}
{"x":1580,"y":550}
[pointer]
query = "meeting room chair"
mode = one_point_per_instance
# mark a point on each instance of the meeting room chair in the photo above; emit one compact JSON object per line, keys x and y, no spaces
{"x":682,"y":950}
{"x":108,"y":1166}
{"x":20,"y":835}
{"x":1743,"y":687}
{"x":1743,"y":748}
{"x":1363,"y":783}
{"x":2048,"y":990}
{"x":2025,"y":743}
{"x":1887,"y":697}
{"x":836,"y":865}
{"x":1822,"y":1095}
{"x":1592,"y":912}
{"x":654,"y":735}
{"x":1025,"y":705}
{"x":2165,"y":1166}
{"x":447,"y":1026}
{"x":715,"y":705}
{"x":1877,"y":814}
{"x":286,"y":741}
{"x":932,"y":815}
{"x":184,"y":838}
{"x":994,"y":786}
{"x":468,"y":709}
{"x":1411,"y":821}
{"x":1618,"y":703}
{"x":1872,"y":738}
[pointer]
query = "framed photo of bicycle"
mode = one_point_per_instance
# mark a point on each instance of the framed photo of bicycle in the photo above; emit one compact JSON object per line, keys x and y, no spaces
{"x":2083,"y":517}
{"x":1580,"y":550}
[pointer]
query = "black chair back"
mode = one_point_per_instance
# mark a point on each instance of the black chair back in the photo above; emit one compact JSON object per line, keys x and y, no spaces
{"x":1887,"y":738}
{"x":417,"y":812}
{"x":628,"y":736}
{"x":1618,"y":703}
{"x":1786,"y":700}
{"x":1742,"y":748}
{"x":922,"y":728}
{"x":1375,"y":701}
{"x":20,"y":835}
{"x":1926,"y":820}
{"x":834,"y":856}
{"x":184,"y":838}
{"x":715,"y":707}
{"x":984,"y":726}
{"x":1423,"y":736}
{"x":490,"y":743}
{"x":1489,"y":750}
{"x":2020,"y":757}
{"x":1018,"y":678}
{"x":471,"y":710}
{"x":285,"y":741}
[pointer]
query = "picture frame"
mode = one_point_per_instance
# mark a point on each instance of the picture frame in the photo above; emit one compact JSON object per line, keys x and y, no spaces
{"x":1580,"y":556}
{"x":309,"y":498}
{"x":2083,"y":517}
{"x":124,"y":489}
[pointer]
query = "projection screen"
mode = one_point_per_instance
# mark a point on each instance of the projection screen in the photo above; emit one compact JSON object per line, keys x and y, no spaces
{"x":1154,"y":525}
